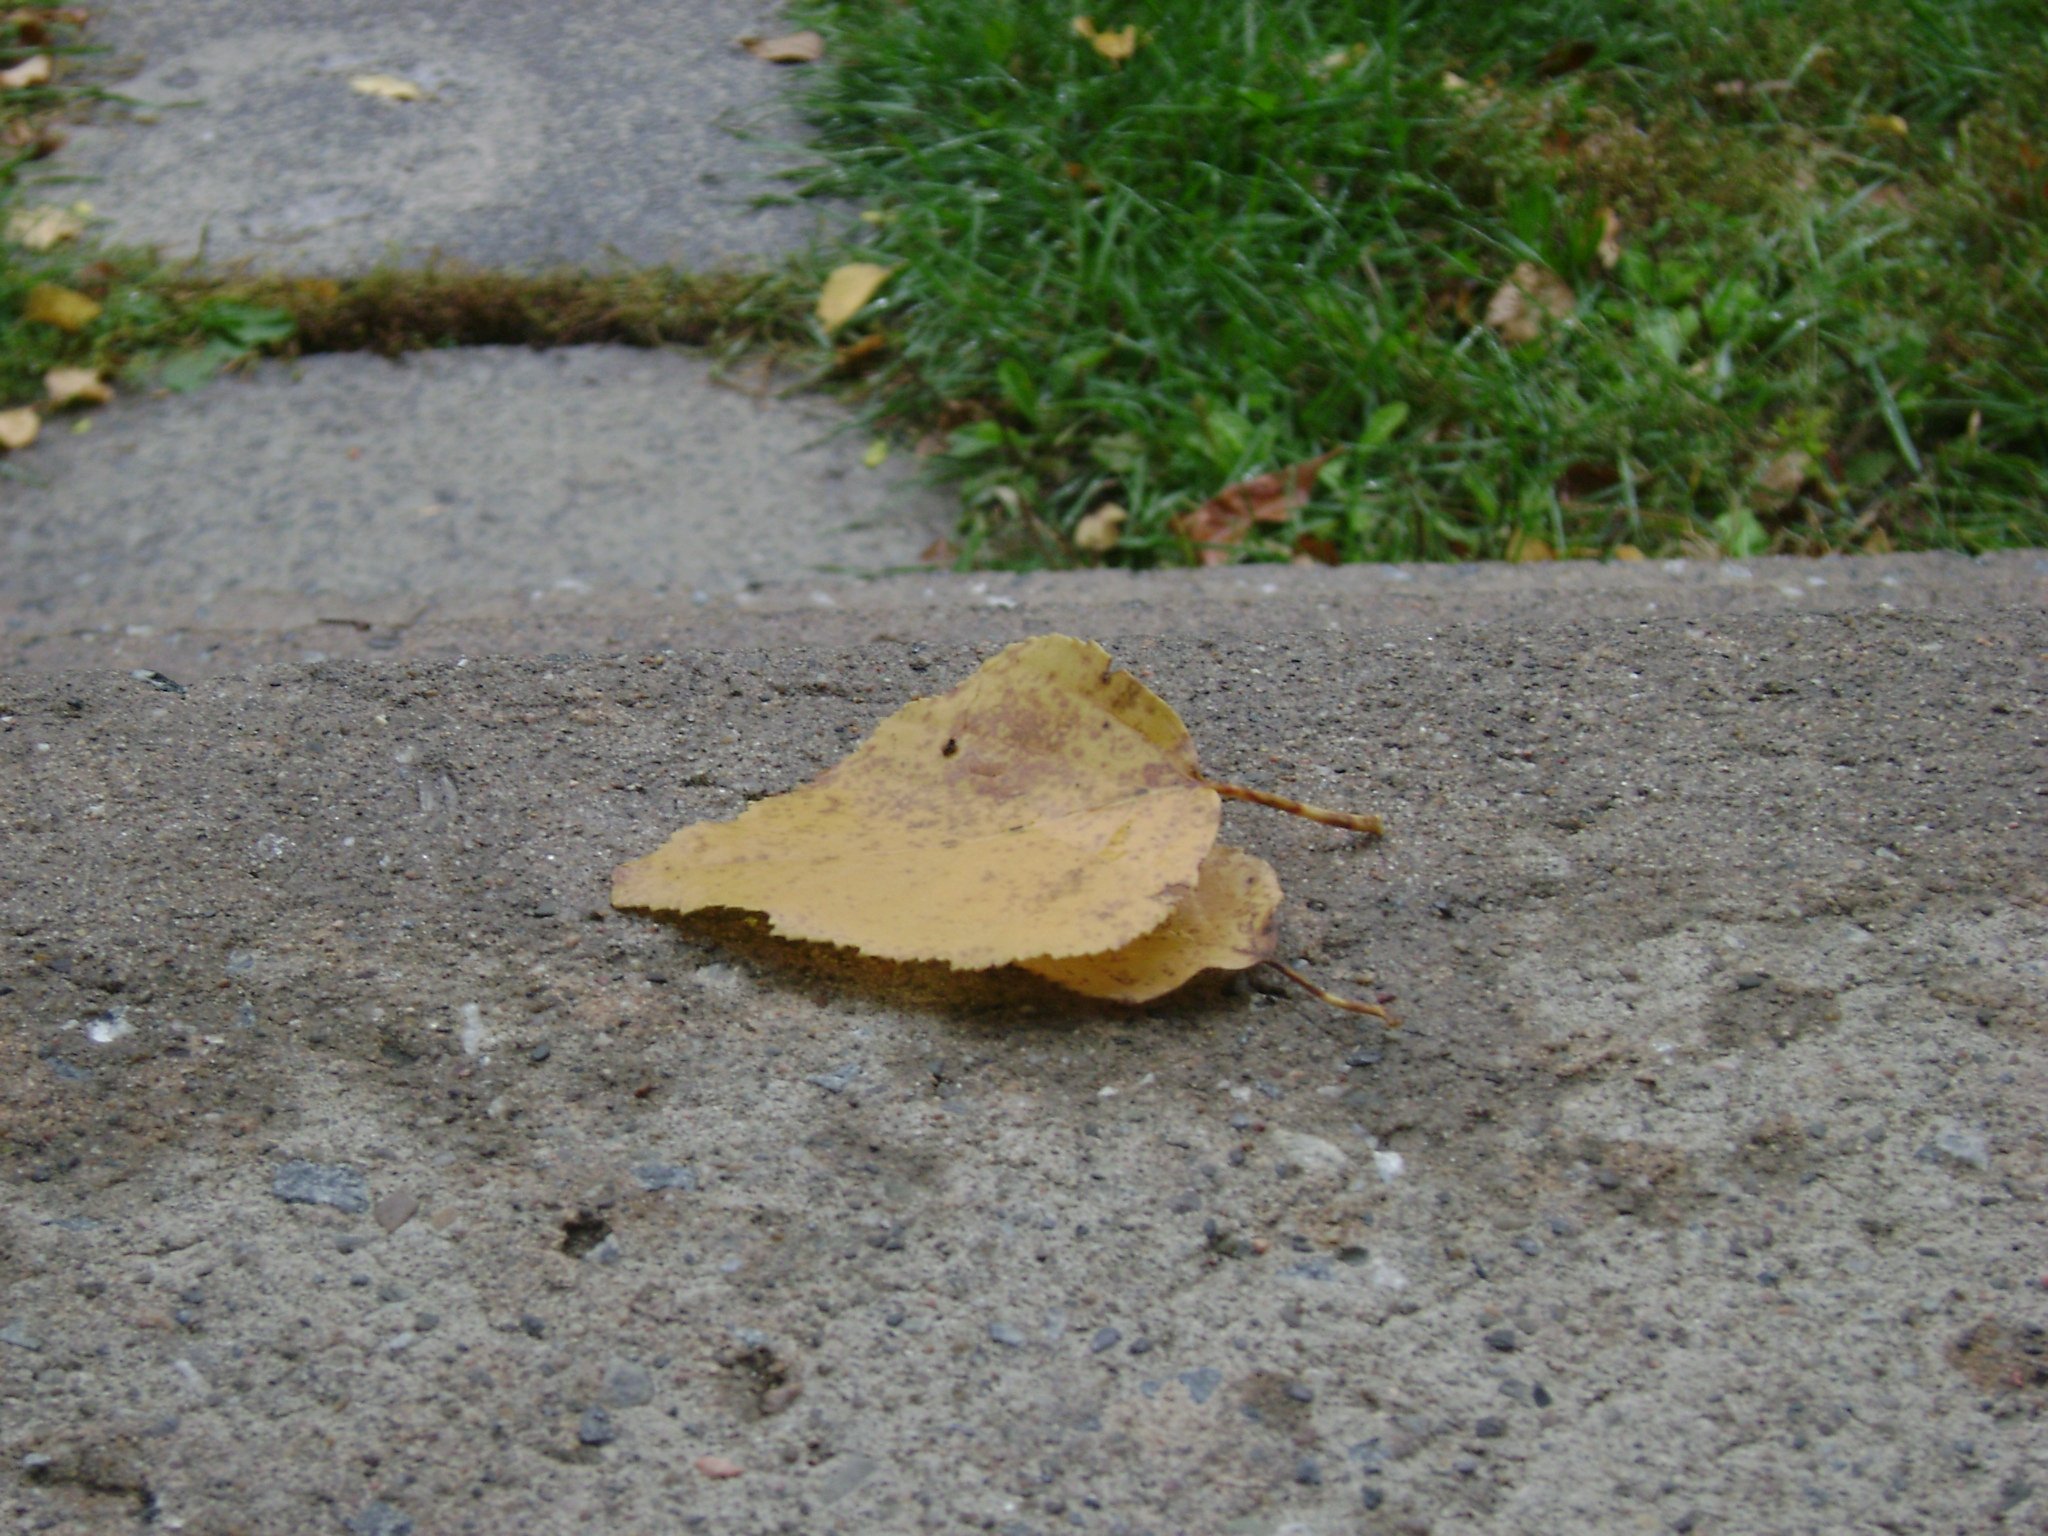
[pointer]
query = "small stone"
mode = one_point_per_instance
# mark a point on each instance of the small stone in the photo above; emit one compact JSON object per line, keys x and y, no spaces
{"x":718,"y":1466}
{"x":1309,"y":1472}
{"x":335,"y":1184}
{"x":653,"y":1176}
{"x":1958,"y":1145}
{"x":627,"y":1385}
{"x":1105,"y":1339}
{"x":1528,"y":1245}
{"x":1490,"y":1428}
{"x":1372,"y":1496}
{"x":536,"y":1327}
{"x":1301,"y":1392}
{"x":395,"y":1209}
{"x":838,"y":1079}
{"x":1540,"y":1395}
{"x":1201,"y":1382}
{"x":1504,"y":1340}
{"x":377,"y":1518}
{"x":17,"y":1333}
{"x":1007,"y":1334}
{"x":540,"y":1052}
{"x":595,"y":1427}
{"x":1140,"y":1347}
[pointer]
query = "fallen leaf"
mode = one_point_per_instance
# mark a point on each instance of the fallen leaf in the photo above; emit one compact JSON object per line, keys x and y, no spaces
{"x":1048,"y":806}
{"x":1524,"y":548}
{"x":65,"y":308}
{"x":1226,"y":924}
{"x":1887,"y":123}
{"x":386,"y":87}
{"x":1566,"y":56}
{"x":19,"y":428}
{"x":1101,"y":530}
{"x":1529,"y":300}
{"x":38,"y":229}
{"x":878,"y":452}
{"x":1114,"y":46}
{"x":1314,"y":549}
{"x":859,"y":355}
{"x":1609,"y":249}
{"x":1626,"y":552}
{"x":847,"y":291}
{"x":941,"y":551}
{"x":797,"y":48}
{"x":76,"y":386}
{"x":33,"y":70}
{"x":1453,"y":81}
{"x":1783,"y":476}
{"x":1225,"y":518}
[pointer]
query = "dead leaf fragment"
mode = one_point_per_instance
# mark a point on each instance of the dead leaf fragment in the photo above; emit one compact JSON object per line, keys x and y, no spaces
{"x":1114,"y":46}
{"x":1225,"y":925}
{"x":1783,"y":476}
{"x":38,"y":229}
{"x":1529,"y":300}
{"x":1101,"y":530}
{"x":386,"y":87}
{"x":19,"y":428}
{"x":1225,"y":518}
{"x":1609,"y":249}
{"x":76,"y":386}
{"x":1048,"y":806}
{"x":804,"y":47}
{"x":847,"y":291}
{"x":65,"y":308}
{"x":33,"y":70}
{"x":1524,"y":548}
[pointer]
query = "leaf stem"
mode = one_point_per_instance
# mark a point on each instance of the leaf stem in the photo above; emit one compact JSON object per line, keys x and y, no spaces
{"x":1348,"y":1004}
{"x":1351,"y":821}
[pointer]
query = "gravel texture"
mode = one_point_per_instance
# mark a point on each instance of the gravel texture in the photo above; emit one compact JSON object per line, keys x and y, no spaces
{"x":1702,"y":1189}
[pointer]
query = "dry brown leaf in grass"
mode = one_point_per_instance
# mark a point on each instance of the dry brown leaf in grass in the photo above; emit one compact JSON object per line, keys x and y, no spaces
{"x":19,"y":428}
{"x":39,"y":229}
{"x":1225,"y":518}
{"x":1225,"y":924}
{"x":65,"y":308}
{"x":1101,"y":530}
{"x":847,"y":291}
{"x":1115,"y":46}
{"x":76,"y":386}
{"x":386,"y":87}
{"x":1609,"y":249}
{"x":804,"y":47}
{"x":1527,"y":302}
{"x":1049,"y":811}
{"x":33,"y":70}
{"x":1782,"y":477}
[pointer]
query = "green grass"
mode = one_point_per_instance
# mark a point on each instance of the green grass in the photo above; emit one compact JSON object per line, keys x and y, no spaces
{"x":1275,"y":231}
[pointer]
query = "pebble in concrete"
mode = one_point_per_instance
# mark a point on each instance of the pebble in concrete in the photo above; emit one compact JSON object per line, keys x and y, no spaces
{"x":335,"y":1184}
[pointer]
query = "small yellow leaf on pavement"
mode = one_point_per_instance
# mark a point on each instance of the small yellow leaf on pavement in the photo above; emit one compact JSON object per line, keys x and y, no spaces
{"x":805,"y":47}
{"x":878,"y":451}
{"x":76,"y":386}
{"x":33,"y":70}
{"x":19,"y":428}
{"x":1225,"y":925}
{"x":1101,"y":530}
{"x":847,"y":291}
{"x":1048,"y":806}
{"x":38,"y":229}
{"x":65,"y":308}
{"x":1527,"y":302}
{"x":386,"y":87}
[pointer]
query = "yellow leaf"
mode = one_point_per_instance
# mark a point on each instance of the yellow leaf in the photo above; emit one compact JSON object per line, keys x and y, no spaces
{"x":1626,"y":552}
{"x":19,"y":428}
{"x":1609,"y":250}
{"x":1225,"y":925}
{"x":65,"y":308}
{"x":1101,"y":530}
{"x":1887,"y":123}
{"x":76,"y":386}
{"x":38,"y":229}
{"x":1048,"y":806}
{"x":33,"y":70}
{"x":847,"y":291}
{"x":1529,"y":300}
{"x":1114,"y":46}
{"x":877,"y":452}
{"x":797,"y":48}
{"x":1524,"y":548}
{"x":386,"y":87}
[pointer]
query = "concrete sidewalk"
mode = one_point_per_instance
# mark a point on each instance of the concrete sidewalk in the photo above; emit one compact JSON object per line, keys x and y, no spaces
{"x":365,"y":1172}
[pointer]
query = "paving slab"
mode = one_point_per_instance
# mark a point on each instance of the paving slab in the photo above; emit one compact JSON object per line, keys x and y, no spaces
{"x":608,"y":132}
{"x":339,"y":485}
{"x":365,"y":1173}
